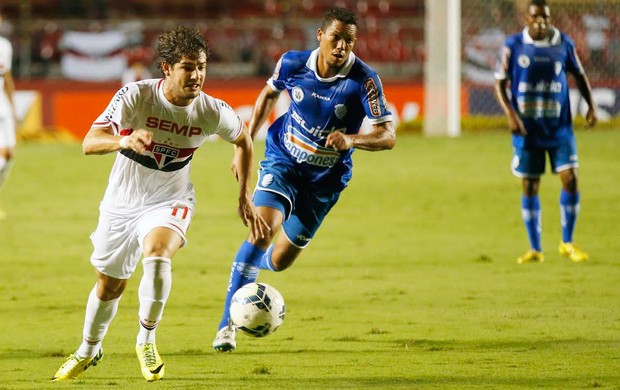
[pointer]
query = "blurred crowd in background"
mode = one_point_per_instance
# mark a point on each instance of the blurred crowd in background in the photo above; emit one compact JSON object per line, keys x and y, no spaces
{"x":94,"y":40}
{"x":100,"y":40}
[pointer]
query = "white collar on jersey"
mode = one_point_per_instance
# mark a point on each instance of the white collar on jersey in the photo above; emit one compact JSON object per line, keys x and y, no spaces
{"x":344,"y":71}
{"x":554,"y":40}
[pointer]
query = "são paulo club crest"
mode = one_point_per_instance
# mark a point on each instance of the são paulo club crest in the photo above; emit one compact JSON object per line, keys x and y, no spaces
{"x":164,"y":154}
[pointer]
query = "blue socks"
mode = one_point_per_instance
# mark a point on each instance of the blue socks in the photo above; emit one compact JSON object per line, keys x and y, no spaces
{"x":248,"y":261}
{"x":244,"y":270}
{"x":569,"y":208}
{"x":530,"y":210}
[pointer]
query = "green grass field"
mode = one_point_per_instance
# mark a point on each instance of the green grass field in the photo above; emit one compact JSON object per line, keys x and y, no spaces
{"x":411,"y":282}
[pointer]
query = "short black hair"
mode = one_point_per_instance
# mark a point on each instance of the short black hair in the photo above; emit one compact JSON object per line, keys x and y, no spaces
{"x":539,"y":3}
{"x":180,"y":42}
{"x":338,"y":13}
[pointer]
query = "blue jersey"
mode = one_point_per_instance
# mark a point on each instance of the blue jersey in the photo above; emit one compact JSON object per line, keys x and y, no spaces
{"x":537,"y":71}
{"x":320,"y":106}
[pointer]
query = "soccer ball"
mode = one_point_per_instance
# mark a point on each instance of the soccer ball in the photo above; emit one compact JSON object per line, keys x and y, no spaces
{"x":257,"y":309}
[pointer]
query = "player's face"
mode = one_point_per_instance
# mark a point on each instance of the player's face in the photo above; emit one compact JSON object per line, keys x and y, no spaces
{"x":538,"y":21}
{"x":184,"y":80}
{"x":336,"y":43}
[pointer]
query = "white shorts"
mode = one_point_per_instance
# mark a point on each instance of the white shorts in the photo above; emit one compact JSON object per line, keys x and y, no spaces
{"x":7,"y":128}
{"x":118,"y":238}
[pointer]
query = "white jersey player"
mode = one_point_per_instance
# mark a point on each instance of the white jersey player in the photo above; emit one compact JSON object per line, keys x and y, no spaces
{"x":7,"y":112}
{"x":155,"y":126}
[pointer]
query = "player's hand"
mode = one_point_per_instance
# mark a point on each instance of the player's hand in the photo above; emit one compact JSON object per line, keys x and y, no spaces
{"x":516,"y":125}
{"x":250,"y":217}
{"x":139,"y":140}
{"x":339,"y":141}
{"x":591,"y":116}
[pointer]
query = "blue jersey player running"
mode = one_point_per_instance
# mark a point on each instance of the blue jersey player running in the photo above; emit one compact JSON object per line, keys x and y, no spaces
{"x":308,"y":149}
{"x":536,"y":62}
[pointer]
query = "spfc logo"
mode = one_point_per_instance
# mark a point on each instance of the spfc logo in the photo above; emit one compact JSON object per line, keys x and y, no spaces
{"x":164,"y":154}
{"x":340,"y":110}
{"x":557,"y":67}
{"x":523,"y":60}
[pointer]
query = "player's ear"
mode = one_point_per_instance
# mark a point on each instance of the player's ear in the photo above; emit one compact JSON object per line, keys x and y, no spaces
{"x":165,"y":67}
{"x":319,"y":34}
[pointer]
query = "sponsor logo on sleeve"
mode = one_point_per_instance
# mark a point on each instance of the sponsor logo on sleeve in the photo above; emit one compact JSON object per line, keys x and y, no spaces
{"x":372,"y":93}
{"x":109,"y":115}
{"x":276,"y":71}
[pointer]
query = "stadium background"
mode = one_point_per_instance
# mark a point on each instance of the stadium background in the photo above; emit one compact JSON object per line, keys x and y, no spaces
{"x":70,"y":55}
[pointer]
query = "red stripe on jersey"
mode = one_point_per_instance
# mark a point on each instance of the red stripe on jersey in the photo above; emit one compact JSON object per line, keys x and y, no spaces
{"x":174,"y":212}
{"x":184,"y":213}
{"x":126,"y":132}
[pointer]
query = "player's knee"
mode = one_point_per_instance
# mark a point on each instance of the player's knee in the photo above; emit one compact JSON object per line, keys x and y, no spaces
{"x":157,"y":249}
{"x":109,"y":289}
{"x":570,"y":181}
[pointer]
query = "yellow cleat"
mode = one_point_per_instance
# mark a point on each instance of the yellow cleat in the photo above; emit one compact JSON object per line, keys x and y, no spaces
{"x":150,"y":362}
{"x":570,"y":250}
{"x":75,"y":366}
{"x":531,"y":256}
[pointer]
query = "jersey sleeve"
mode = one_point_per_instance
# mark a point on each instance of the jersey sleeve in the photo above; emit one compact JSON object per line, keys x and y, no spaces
{"x":573,"y":64}
{"x":277,"y":81}
{"x":374,"y":101}
{"x":6,"y":56}
{"x":502,"y":67}
{"x":120,"y":109}
{"x":230,"y":125}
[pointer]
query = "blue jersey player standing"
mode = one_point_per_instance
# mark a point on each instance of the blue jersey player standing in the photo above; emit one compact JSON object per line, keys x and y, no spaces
{"x":536,"y":62}
{"x":308,"y":149}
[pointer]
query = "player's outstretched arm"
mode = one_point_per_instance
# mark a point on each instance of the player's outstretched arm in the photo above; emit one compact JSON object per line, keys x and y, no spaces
{"x":263,"y":106}
{"x":242,"y":165}
{"x":382,"y":137}
{"x":101,"y":140}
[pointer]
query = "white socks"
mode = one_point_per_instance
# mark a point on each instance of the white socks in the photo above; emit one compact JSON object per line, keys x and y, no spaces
{"x":99,"y":314}
{"x":153,"y":293}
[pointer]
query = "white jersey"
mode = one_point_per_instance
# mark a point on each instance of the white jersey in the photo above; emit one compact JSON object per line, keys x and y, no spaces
{"x":6,"y":58}
{"x":7,"y":122}
{"x":162,"y":172}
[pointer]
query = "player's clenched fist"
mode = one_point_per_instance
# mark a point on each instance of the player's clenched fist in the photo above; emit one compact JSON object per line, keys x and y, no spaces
{"x":338,"y":141}
{"x":137,"y":141}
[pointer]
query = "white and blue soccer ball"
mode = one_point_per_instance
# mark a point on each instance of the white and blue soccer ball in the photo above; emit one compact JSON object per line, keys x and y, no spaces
{"x":257,"y":309}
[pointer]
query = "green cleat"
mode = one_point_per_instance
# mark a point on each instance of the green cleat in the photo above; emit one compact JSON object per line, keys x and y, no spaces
{"x":75,"y":366}
{"x":150,"y":362}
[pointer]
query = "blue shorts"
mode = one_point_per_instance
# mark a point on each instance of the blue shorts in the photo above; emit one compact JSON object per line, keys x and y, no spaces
{"x":529,"y":162}
{"x":304,"y":206}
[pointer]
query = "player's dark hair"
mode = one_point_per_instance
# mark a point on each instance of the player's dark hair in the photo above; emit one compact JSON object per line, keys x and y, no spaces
{"x":539,"y":3}
{"x":338,"y":13}
{"x":180,"y":42}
